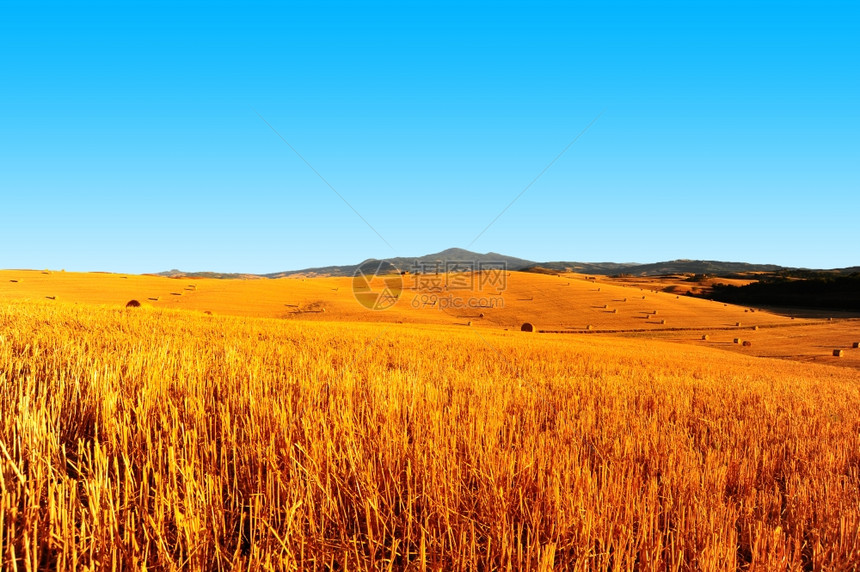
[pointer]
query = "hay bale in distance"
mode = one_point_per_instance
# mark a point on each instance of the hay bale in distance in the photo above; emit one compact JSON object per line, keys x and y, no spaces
{"x":837,"y":353}
{"x":705,"y":337}
{"x":527,"y":327}
{"x":133,"y":304}
{"x":747,"y":343}
{"x":738,"y":340}
{"x":856,"y":345}
{"x":738,"y":324}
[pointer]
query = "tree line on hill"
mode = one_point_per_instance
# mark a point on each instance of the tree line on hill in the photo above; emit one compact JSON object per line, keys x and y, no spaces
{"x":793,"y":290}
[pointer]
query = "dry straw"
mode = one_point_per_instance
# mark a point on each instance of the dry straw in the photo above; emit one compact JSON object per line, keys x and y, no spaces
{"x":171,"y":440}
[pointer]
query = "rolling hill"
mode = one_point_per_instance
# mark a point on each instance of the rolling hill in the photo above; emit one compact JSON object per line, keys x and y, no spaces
{"x":459,"y":255}
{"x":556,"y":304}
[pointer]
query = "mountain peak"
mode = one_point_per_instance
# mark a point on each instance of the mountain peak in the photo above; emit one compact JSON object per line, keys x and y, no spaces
{"x":455,"y":252}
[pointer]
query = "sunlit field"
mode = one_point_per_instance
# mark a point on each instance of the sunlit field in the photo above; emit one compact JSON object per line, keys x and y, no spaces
{"x":162,"y":439}
{"x":571,"y":303}
{"x":429,"y":287}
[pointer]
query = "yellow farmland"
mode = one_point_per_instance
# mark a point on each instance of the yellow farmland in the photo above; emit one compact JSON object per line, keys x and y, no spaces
{"x":159,"y":439}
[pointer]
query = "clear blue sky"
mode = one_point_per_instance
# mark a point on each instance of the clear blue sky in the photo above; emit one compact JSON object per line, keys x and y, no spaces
{"x":129,"y":139}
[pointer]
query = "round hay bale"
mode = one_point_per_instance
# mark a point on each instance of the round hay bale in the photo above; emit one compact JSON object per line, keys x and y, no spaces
{"x":738,"y":340}
{"x":589,"y":327}
{"x":662,"y":321}
{"x":527,"y":327}
{"x":755,"y":328}
{"x":468,"y":323}
{"x":705,"y":337}
{"x":481,"y":315}
{"x":837,"y":353}
{"x":738,"y":324}
{"x":132,"y":304}
{"x":856,"y":345}
{"x":747,"y":343}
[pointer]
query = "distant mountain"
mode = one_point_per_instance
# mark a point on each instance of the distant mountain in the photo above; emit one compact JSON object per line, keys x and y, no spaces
{"x":457,"y":255}
{"x":424,"y":263}
{"x":428,"y":262}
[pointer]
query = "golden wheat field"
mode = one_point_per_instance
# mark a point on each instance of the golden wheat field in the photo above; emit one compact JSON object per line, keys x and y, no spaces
{"x":161,"y":439}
